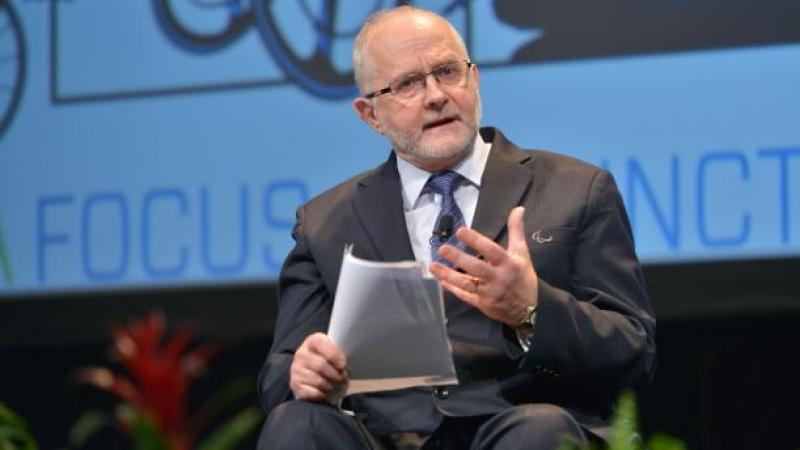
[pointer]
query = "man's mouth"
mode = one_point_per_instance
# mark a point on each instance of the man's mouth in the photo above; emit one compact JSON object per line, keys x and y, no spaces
{"x":438,"y":123}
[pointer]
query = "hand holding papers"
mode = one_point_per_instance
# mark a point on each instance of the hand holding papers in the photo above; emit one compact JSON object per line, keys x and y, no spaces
{"x":388,"y":319}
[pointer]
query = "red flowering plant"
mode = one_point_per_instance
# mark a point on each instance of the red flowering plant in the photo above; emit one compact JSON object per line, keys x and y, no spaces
{"x":158,"y":373}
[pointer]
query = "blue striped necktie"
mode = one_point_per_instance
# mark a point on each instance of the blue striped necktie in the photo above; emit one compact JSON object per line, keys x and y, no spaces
{"x":444,"y":184}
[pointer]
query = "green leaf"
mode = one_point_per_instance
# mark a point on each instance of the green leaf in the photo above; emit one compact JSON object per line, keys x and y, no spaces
{"x":87,"y":425}
{"x":16,"y":439}
{"x":14,"y":434}
{"x":624,"y":434}
{"x":7,"y":416}
{"x":227,"y":436}
{"x":144,"y":431}
{"x":663,"y":442}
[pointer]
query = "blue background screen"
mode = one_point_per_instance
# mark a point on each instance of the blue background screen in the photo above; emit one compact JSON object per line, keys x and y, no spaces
{"x":160,"y":143}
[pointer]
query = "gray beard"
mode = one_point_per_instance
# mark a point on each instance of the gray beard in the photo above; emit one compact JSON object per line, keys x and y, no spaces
{"x":434,"y":154}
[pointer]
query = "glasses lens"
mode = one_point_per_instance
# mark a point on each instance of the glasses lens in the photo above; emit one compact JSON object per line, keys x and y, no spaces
{"x":451,"y":73}
{"x":408,"y":86}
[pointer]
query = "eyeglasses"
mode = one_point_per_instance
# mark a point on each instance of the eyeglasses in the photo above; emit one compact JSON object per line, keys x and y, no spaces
{"x":408,"y":86}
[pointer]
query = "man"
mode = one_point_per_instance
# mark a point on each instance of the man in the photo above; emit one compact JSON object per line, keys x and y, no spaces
{"x":546,"y":304}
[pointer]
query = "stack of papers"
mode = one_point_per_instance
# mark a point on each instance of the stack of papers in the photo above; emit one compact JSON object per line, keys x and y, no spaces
{"x":388,"y":319}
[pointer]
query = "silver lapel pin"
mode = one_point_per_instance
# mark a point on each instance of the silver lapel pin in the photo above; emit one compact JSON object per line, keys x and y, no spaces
{"x":539,"y":238}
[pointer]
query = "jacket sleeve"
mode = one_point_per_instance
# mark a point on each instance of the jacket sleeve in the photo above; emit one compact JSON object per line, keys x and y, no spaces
{"x":304,"y":307}
{"x":599,"y":329}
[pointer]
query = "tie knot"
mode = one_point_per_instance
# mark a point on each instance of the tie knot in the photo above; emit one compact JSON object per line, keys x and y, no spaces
{"x":443,"y":182}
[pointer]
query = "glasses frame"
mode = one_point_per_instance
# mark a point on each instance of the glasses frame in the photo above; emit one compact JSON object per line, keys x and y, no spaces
{"x":388,"y":88}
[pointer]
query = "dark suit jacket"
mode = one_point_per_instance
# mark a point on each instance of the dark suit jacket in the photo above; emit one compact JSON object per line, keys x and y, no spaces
{"x":594,"y":334}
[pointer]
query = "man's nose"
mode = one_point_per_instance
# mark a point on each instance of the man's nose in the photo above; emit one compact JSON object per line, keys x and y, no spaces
{"x":435,"y":97}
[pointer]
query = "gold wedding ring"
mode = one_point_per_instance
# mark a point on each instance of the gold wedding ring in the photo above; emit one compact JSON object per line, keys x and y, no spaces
{"x":476,"y":282}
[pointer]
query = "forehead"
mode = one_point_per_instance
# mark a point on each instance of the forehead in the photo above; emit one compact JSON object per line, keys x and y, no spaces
{"x":411,"y":43}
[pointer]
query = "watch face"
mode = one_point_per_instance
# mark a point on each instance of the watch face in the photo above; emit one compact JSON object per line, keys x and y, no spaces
{"x":530,"y":317}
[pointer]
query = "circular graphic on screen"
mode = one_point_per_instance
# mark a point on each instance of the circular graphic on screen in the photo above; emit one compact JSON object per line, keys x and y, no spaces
{"x":12,"y":64}
{"x":203,"y":25}
{"x":312,"y":41}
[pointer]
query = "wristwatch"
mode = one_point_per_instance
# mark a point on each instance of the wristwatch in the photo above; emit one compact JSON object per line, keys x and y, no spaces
{"x":528,"y":318}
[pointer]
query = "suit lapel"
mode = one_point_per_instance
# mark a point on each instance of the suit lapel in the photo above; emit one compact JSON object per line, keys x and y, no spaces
{"x":379,"y":203}
{"x":504,"y":183}
{"x":379,"y":208}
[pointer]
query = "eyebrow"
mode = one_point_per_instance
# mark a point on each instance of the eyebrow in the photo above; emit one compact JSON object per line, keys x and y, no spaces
{"x":434,"y":67}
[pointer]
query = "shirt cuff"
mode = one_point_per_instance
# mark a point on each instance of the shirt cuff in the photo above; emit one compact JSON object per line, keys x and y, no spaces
{"x":524,"y":336}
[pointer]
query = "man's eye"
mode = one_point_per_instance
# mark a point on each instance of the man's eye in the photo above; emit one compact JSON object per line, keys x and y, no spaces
{"x":446,"y":71}
{"x":406,"y":83}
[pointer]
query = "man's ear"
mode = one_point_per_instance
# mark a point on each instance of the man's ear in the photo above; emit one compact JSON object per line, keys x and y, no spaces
{"x":365,"y":109}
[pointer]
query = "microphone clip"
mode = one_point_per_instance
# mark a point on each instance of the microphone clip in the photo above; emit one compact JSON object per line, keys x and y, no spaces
{"x":444,"y":230}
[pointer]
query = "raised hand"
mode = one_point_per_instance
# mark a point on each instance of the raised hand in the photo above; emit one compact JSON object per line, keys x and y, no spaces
{"x":503,"y":283}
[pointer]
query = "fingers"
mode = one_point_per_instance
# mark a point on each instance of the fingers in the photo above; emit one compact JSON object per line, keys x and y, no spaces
{"x":465,"y":295}
{"x":449,"y":278}
{"x":320,"y":344}
{"x":318,"y":368}
{"x":469,"y":263}
{"x":463,"y":287}
{"x":308,"y":393}
{"x":501,"y":283}
{"x":491,"y":251}
{"x":311,"y":388}
{"x":516,"y":232}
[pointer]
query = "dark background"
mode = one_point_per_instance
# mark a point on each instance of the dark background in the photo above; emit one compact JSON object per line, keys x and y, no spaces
{"x":727,"y":376}
{"x":577,"y":29}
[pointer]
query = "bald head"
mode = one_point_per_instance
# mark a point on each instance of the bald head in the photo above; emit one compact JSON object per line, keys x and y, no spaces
{"x":435,"y":127}
{"x":394,"y":24}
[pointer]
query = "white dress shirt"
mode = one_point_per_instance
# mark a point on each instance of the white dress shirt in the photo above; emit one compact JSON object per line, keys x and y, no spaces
{"x":422,"y":208}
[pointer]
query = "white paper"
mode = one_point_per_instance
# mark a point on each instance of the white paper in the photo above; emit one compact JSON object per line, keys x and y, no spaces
{"x":388,"y":319}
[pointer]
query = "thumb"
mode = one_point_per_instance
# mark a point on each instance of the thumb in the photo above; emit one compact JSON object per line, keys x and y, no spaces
{"x":516,"y":232}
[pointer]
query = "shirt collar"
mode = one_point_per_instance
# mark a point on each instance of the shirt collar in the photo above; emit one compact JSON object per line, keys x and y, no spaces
{"x":413,"y":178}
